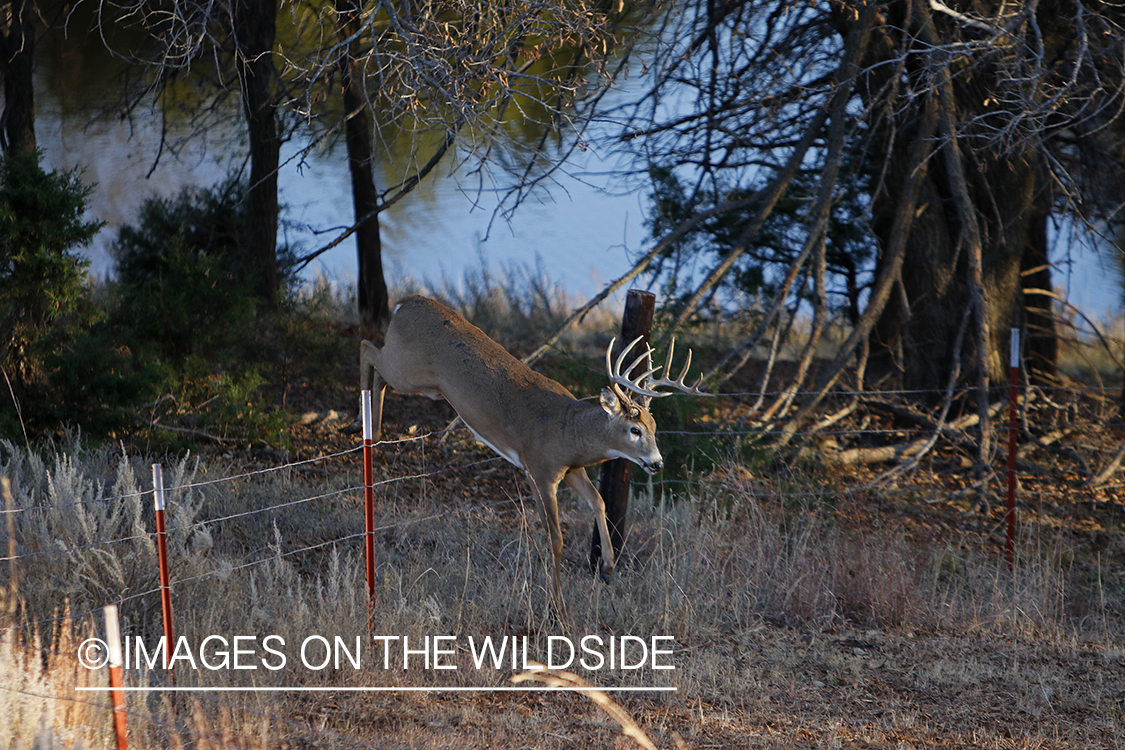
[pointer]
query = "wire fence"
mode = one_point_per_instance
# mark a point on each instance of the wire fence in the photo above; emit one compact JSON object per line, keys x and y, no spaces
{"x":867,"y":434}
{"x":36,"y":651}
{"x":732,"y":429}
{"x":1093,"y":400}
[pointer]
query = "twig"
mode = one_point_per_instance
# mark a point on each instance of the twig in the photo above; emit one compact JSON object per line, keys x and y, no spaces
{"x":1092,"y":324}
{"x":19,"y":411}
{"x":637,"y":269}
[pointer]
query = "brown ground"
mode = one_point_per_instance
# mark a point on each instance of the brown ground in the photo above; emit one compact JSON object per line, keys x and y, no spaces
{"x":786,"y":687}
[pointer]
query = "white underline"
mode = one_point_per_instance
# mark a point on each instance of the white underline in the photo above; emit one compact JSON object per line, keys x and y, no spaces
{"x":469,"y":689}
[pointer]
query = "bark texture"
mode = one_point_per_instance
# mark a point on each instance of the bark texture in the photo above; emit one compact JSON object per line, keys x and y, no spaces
{"x":916,"y":332}
{"x":255,"y":34}
{"x":374,"y":306}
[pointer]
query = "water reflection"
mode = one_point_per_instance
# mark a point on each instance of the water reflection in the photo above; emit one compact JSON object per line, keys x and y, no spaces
{"x":578,"y":233}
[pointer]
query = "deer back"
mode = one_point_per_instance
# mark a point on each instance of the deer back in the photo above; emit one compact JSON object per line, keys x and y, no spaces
{"x":433,"y":350}
{"x":521,"y":414}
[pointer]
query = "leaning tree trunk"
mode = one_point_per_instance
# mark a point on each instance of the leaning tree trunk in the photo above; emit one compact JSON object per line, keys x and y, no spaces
{"x":255,"y":33}
{"x":17,"y":53}
{"x":374,"y":306}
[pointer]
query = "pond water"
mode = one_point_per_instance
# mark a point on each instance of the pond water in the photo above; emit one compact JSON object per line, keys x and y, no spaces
{"x":581,"y":234}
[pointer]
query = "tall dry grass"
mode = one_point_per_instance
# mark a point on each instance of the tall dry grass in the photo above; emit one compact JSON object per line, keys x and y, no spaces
{"x":721,"y":561}
{"x":39,"y":677}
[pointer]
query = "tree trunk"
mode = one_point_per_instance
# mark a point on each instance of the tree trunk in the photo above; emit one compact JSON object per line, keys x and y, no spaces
{"x":374,"y":306}
{"x":255,"y":33}
{"x":916,"y":332}
{"x":918,"y":328}
{"x":17,"y":55}
{"x":1041,"y":350}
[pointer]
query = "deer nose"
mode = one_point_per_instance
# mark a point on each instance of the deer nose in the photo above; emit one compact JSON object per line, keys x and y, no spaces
{"x":655,"y":466}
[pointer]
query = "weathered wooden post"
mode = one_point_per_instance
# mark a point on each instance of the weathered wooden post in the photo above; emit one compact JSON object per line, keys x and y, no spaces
{"x":616,"y":474}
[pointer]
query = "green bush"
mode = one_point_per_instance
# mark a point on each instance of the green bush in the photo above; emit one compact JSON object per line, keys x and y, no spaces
{"x":42,"y":279}
{"x":189,"y":305}
{"x":178,"y":350}
{"x":184,"y":285}
{"x":43,"y":293}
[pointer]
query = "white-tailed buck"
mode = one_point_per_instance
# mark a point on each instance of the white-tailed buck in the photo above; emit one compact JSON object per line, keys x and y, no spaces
{"x":527,"y":418}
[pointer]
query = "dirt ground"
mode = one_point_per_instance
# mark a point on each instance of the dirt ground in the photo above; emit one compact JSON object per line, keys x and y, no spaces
{"x":778,"y":686}
{"x":839,"y":690}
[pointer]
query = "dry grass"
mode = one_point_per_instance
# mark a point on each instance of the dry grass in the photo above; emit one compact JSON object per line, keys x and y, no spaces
{"x":806,"y":609}
{"x":38,"y":697}
{"x":799,"y":616}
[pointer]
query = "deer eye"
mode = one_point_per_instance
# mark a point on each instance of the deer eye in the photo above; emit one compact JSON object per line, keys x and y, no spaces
{"x":636,"y":431}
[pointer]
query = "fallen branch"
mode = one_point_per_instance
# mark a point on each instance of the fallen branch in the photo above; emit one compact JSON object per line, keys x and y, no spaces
{"x":955,"y":429}
{"x":1104,"y":475}
{"x":856,"y":456}
{"x":194,"y":433}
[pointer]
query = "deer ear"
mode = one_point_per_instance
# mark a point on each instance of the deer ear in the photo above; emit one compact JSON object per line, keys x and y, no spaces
{"x":610,"y":402}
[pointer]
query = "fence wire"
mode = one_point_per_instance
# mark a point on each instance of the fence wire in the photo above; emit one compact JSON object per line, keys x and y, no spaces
{"x":864,"y":433}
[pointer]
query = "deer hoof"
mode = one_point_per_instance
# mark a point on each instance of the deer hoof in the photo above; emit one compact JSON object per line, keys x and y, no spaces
{"x":605,"y":571}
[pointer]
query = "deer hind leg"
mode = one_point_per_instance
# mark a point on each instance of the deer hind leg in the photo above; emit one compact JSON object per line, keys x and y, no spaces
{"x":580,"y":483}
{"x":546,"y":489}
{"x":371,"y":380}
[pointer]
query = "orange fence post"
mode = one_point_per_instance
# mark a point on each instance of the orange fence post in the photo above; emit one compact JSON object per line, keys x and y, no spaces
{"x":1013,"y":381}
{"x":162,"y":562}
{"x":368,"y":505}
{"x":116,"y":679}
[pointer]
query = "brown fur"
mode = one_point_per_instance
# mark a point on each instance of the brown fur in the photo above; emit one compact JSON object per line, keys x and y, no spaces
{"x":529,"y":419}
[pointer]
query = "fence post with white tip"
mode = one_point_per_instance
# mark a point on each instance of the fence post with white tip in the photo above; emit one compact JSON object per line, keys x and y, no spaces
{"x":368,"y":504}
{"x":1013,"y":383}
{"x":162,"y":562}
{"x":116,"y":678}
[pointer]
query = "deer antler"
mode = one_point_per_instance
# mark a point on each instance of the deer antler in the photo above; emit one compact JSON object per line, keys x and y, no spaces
{"x":678,"y":383}
{"x":634,"y":384}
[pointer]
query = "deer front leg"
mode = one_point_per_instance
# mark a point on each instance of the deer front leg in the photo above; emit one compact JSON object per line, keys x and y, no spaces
{"x":546,"y":488}
{"x":371,"y":380}
{"x":580,"y":483}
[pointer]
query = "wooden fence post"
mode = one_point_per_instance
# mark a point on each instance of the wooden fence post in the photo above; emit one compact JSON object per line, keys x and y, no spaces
{"x":616,"y":474}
